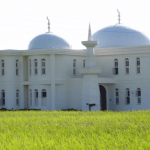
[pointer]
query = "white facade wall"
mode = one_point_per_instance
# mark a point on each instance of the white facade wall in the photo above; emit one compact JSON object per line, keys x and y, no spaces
{"x":68,"y":87}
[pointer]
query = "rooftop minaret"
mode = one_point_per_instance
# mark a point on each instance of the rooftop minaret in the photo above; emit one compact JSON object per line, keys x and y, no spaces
{"x":90,"y":44}
{"x":90,"y":89}
{"x":89,"y":34}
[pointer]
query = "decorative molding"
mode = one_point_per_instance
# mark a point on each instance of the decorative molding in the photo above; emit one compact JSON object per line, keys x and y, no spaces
{"x":81,"y":52}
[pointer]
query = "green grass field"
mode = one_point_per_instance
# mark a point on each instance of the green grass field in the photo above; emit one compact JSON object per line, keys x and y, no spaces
{"x":62,"y":130}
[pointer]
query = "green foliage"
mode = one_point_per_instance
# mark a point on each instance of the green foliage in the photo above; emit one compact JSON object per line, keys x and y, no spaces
{"x":62,"y":130}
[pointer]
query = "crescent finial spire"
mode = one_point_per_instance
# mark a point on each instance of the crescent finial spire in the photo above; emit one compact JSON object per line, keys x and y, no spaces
{"x":48,"y":25}
{"x":118,"y":16}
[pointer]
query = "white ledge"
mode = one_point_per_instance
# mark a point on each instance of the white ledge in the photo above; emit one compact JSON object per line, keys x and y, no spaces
{"x":90,"y":70}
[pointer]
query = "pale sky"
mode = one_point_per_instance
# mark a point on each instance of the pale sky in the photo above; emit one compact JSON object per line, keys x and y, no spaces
{"x":22,"y":20}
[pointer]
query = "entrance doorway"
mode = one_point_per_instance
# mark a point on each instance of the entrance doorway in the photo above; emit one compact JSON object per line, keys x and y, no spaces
{"x":103,"y":102}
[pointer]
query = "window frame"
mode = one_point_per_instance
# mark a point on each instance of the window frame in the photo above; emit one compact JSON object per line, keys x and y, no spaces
{"x":2,"y":67}
{"x":43,"y":60}
{"x":74,"y":67}
{"x":138,"y":94}
{"x":35,"y":67}
{"x":44,"y":99}
{"x":83,"y":63}
{"x":36,"y":95}
{"x":127,"y":96}
{"x":116,"y":70}
{"x":17,"y":67}
{"x":3,"y":98}
{"x":17,"y":97}
{"x":117,"y":96}
{"x":138,"y":64}
{"x":127,"y":66}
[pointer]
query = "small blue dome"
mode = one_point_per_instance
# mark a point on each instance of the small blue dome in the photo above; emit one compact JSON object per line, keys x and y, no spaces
{"x":47,"y":40}
{"x":119,"y":36}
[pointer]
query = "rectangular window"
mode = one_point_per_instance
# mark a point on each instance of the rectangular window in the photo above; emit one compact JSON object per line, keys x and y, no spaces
{"x":36,"y":97}
{"x":117,"y":96}
{"x":3,"y":98}
{"x":17,"y":97}
{"x":36,"y":94}
{"x":128,"y":100}
{"x":35,"y":67}
{"x":127,"y":66}
{"x":35,"y":64}
{"x":43,"y":70}
{"x":139,"y":93}
{"x":17,"y":67}
{"x":36,"y":71}
{"x":117,"y":100}
{"x":44,"y":94}
{"x":138,"y":62}
{"x":139,"y":100}
{"x":83,"y":63}
{"x":74,"y":67}
{"x":3,"y":71}
{"x":138,"y":69}
{"x":17,"y":72}
{"x":138,"y":65}
{"x":127,"y":70}
{"x":127,"y":63}
{"x":116,"y":63}
{"x":115,"y":69}
{"x":43,"y":66}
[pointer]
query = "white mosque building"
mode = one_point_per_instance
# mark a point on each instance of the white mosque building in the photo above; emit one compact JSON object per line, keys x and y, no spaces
{"x":111,"y":73}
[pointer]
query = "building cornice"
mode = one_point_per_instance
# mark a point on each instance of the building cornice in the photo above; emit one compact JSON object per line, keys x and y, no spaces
{"x":82,"y":52}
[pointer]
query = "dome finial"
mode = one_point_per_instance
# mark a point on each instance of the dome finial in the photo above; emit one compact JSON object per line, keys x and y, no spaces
{"x":48,"y":25}
{"x":89,"y":34}
{"x":118,"y":16}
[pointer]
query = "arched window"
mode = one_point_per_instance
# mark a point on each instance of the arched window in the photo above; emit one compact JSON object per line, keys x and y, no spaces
{"x":127,"y":96}
{"x":3,"y":97}
{"x":115,"y":66}
{"x":74,"y":67}
{"x":127,"y":66}
{"x":30,"y":66}
{"x":36,"y":97}
{"x":35,"y":67}
{"x":44,"y":95}
{"x":17,"y":97}
{"x":3,"y":68}
{"x":138,"y":94}
{"x":43,"y":66}
{"x":138,"y":65}
{"x":83,"y":63}
{"x":117,"y":96}
{"x":30,"y":97}
{"x":17,"y":67}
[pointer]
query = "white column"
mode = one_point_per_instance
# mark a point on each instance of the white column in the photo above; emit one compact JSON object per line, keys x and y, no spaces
{"x":52,"y":75}
{"x":90,"y":92}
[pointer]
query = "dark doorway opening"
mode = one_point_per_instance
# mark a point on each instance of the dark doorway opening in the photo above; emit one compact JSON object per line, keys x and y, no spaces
{"x":103,"y":103}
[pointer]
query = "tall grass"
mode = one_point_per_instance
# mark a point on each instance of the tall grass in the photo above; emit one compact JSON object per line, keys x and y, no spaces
{"x":45,"y":130}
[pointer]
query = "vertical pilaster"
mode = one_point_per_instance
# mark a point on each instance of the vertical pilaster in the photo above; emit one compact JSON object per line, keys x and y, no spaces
{"x":52,"y":75}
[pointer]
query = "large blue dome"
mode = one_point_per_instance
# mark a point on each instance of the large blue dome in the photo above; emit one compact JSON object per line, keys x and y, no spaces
{"x":47,"y":40}
{"x":119,"y":36}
